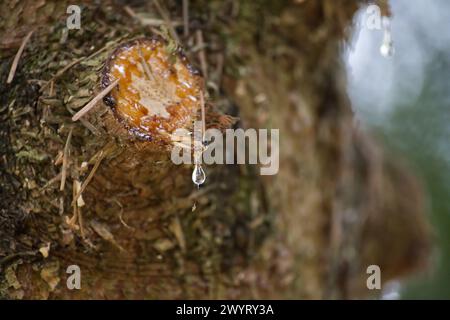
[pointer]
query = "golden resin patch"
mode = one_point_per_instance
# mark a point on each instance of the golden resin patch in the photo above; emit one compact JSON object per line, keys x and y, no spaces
{"x":158,"y":91}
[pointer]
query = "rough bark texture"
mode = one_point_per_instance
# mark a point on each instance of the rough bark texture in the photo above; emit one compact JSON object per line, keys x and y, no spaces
{"x":336,"y":206}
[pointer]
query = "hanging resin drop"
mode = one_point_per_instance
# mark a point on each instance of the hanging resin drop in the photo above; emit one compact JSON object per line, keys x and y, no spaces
{"x":198,"y":175}
{"x":387,"y":49}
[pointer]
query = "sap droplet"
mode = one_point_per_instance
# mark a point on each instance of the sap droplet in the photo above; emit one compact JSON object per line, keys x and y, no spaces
{"x":198,"y":175}
{"x":387,"y":49}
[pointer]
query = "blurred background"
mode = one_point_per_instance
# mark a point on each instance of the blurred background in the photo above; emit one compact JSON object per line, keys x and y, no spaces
{"x":405,"y":101}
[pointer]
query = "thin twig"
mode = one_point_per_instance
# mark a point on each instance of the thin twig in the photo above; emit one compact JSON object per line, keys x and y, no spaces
{"x":146,"y":67}
{"x":71,"y":221}
{"x":86,"y":123}
{"x":15,"y":63}
{"x":75,"y":205}
{"x":201,"y":53}
{"x":90,"y":127}
{"x":130,"y":11}
{"x":152,"y":22}
{"x":94,"y":101}
{"x":186,"y":17}
{"x":70,"y":65}
{"x":149,"y":72}
{"x":202,"y":103}
{"x":102,"y":49}
{"x":65,"y":160}
{"x":52,"y":89}
{"x":167,"y":20}
{"x":60,"y":72}
{"x":89,"y":178}
{"x":77,"y":209}
{"x":121,"y":214}
{"x":61,"y":206}
{"x":80,"y":222}
{"x":51,"y":181}
{"x":15,"y":255}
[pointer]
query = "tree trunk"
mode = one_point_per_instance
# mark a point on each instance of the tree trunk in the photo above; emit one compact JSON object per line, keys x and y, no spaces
{"x":337,"y":205}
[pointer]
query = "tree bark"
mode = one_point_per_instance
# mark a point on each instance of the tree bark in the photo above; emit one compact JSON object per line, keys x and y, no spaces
{"x":337,"y":205}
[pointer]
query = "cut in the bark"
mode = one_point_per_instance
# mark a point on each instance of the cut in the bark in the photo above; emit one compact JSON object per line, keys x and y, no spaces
{"x":158,"y":90}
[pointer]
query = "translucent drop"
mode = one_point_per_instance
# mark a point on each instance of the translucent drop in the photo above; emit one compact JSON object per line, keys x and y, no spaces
{"x":387,"y":49}
{"x":198,"y":175}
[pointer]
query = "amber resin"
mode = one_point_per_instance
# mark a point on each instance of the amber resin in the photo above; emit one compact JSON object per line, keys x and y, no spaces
{"x":158,"y":90}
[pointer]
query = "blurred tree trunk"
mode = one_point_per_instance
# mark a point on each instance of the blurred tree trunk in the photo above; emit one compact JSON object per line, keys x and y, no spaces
{"x":336,"y":206}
